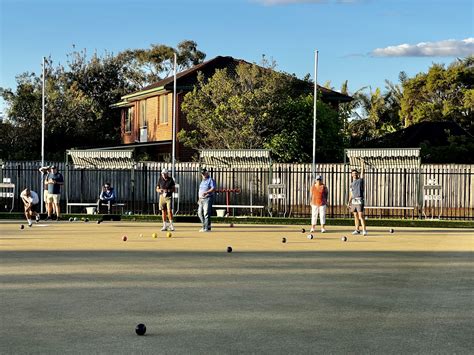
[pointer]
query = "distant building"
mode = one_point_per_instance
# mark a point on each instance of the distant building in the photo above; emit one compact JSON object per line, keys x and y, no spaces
{"x":147,"y":114}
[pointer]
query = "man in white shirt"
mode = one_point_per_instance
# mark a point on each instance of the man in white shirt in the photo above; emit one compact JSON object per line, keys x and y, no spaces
{"x":30,"y":201}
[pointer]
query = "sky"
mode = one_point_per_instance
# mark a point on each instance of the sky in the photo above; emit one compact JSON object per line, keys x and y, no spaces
{"x":363,"y":41}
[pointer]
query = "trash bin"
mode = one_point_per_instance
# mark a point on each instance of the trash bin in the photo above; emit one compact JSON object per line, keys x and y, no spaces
{"x":90,"y":210}
{"x":220,"y":213}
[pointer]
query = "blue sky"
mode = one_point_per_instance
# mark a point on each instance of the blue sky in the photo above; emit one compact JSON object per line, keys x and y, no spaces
{"x":362,"y":41}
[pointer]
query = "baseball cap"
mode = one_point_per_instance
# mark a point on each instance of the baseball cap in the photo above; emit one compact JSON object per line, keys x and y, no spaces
{"x":164,"y":171}
{"x":319,"y":177}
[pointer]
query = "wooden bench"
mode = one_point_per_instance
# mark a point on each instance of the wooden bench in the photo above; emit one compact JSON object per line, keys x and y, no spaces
{"x":240,"y":206}
{"x":91,"y":204}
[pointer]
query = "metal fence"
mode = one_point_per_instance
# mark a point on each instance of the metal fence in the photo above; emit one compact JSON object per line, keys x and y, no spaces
{"x":434,"y":191}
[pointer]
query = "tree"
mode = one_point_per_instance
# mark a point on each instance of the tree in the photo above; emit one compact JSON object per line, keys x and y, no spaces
{"x":294,"y":141}
{"x":375,"y":113}
{"x":20,"y":131}
{"x":257,"y":107}
{"x":441,"y":94}
{"x":151,"y":65}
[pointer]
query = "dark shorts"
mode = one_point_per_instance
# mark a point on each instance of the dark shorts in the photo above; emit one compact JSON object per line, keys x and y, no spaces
{"x":357,"y":205}
{"x":34,"y":207}
{"x":357,"y":208}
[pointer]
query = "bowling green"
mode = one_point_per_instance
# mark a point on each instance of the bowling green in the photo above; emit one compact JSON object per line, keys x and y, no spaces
{"x":77,"y":287}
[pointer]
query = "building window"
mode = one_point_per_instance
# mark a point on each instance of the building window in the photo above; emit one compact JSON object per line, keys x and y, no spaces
{"x":143,"y":114}
{"x":164,"y":109}
{"x":128,"y":120}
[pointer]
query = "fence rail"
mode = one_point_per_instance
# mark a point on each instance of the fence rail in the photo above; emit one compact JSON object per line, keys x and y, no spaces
{"x":441,"y":191}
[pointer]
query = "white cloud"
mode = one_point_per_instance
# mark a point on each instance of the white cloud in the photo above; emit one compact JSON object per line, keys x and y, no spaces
{"x":446,"y":48}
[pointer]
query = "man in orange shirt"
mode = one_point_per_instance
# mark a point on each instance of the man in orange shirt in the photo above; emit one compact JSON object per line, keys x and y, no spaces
{"x":319,"y":198}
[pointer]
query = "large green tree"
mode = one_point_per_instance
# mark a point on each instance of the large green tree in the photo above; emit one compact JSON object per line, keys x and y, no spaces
{"x":374,"y":112}
{"x":441,"y":94}
{"x":77,"y":114}
{"x":149,"y":65}
{"x":256,"y":106}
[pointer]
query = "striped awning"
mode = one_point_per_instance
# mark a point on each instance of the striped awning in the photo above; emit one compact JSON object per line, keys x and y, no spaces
{"x":384,"y":157}
{"x":102,"y":159}
{"x":235,"y":157}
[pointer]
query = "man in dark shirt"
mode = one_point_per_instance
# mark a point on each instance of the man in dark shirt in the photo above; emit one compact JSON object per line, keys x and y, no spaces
{"x":107,"y":197}
{"x":165,"y":188}
{"x":54,"y":180}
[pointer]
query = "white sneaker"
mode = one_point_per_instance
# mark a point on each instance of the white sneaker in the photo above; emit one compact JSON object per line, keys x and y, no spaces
{"x":364,"y":233}
{"x":312,"y":230}
{"x":202,"y":230}
{"x":164,"y":228}
{"x":323,"y":230}
{"x":171,"y":227}
{"x":356,"y":232}
{"x":37,"y":218}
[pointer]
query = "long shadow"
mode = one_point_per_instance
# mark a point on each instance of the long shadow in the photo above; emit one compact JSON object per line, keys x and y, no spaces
{"x":81,"y":255}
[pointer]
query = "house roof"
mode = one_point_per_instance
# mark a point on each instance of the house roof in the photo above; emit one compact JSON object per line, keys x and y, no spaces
{"x":186,"y":80}
{"x":436,"y":133}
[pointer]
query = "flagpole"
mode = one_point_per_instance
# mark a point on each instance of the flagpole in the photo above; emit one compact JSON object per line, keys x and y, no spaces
{"x":173,"y":158}
{"x":42,"y":129}
{"x":313,"y":168}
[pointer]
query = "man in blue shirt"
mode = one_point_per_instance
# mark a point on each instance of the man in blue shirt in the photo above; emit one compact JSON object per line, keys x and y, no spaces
{"x":206,"y":198}
{"x":107,"y":197}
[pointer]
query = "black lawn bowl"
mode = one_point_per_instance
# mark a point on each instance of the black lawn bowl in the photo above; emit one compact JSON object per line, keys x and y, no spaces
{"x":140,"y":329}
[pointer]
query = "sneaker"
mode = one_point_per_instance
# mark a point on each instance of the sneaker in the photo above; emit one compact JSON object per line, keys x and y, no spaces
{"x":312,"y":230}
{"x":48,"y":218}
{"x":204,"y":230}
{"x":30,"y":223}
{"x":364,"y":233}
{"x":37,"y":218}
{"x":171,"y":227}
{"x":164,"y":228}
{"x":323,"y":230}
{"x":356,"y":232}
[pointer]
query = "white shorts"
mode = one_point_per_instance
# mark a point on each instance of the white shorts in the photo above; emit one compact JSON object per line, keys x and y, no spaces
{"x":45,"y":196}
{"x":53,"y":198}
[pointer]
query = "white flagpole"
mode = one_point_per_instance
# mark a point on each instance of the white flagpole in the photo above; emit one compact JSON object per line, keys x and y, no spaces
{"x":313,"y":170}
{"x":42,"y":130}
{"x":173,"y":158}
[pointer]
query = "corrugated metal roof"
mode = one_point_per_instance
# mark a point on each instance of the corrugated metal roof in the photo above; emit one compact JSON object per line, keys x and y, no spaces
{"x":102,"y":159}
{"x":235,"y":157}
{"x":384,"y":157}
